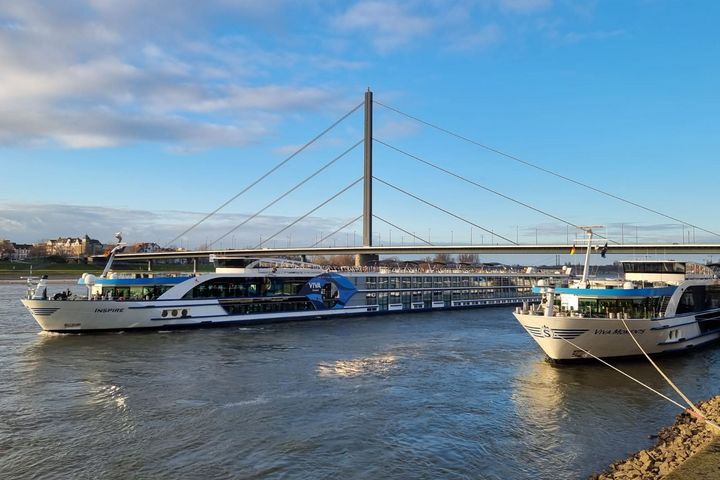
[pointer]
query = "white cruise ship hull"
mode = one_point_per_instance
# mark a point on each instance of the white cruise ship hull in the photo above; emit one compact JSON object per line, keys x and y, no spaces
{"x":565,"y":338}
{"x":263,"y":291}
{"x":107,"y":315}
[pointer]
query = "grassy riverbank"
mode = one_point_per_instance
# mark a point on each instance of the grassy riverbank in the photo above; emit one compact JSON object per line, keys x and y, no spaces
{"x":16,"y":270}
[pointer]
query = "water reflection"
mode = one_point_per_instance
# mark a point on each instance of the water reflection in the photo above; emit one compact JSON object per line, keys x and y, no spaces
{"x":582,"y":410}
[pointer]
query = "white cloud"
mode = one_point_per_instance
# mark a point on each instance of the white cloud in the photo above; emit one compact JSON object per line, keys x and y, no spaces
{"x":105,"y":73}
{"x":28,"y":223}
{"x":396,"y":129}
{"x":390,"y":25}
{"x":104,"y":128}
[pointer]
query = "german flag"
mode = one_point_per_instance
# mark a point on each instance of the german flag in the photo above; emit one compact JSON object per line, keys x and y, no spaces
{"x":572,"y":250}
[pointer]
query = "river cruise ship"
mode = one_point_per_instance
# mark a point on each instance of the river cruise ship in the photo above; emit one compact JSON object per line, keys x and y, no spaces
{"x":244,"y":291}
{"x":659,"y":306}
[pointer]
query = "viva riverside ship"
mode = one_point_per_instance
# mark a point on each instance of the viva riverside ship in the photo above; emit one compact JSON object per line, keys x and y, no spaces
{"x":663,"y":305}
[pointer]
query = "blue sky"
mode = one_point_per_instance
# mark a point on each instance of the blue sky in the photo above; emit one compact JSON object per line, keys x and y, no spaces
{"x":144,"y":116}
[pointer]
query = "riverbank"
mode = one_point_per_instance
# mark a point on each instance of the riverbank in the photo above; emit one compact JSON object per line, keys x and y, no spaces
{"x":687,"y":450}
{"x":55,"y":279}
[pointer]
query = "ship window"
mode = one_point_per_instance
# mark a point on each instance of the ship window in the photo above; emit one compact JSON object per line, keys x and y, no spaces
{"x":649,"y":307}
{"x":236,"y":287}
{"x":692,"y":300}
{"x":284,"y":306}
{"x":712,"y":296}
{"x":654,"y":267}
{"x":698,"y":298}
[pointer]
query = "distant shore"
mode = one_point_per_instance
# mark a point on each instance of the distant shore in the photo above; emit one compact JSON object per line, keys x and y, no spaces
{"x":687,"y":450}
{"x":8,"y":280}
{"x":53,"y":277}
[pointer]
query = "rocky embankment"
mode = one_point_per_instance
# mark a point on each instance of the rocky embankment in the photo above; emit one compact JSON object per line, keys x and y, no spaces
{"x":676,"y":444}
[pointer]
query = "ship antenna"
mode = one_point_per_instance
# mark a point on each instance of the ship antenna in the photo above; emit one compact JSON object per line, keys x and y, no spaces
{"x":586,"y":268}
{"x":117,"y":248}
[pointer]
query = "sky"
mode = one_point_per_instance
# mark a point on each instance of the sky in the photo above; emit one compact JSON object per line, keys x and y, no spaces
{"x":143,"y":117}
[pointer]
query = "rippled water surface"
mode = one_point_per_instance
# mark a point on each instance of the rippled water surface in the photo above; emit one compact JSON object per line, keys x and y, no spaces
{"x":436,"y":395}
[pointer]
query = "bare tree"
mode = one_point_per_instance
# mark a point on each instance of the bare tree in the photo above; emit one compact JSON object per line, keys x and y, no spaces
{"x":319,"y":260}
{"x":38,"y":250}
{"x":472,"y":258}
{"x":343,"y":260}
{"x":442,"y":258}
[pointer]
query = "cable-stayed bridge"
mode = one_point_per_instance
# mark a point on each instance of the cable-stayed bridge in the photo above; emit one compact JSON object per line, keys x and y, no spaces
{"x":368,"y":252}
{"x":627,"y":249}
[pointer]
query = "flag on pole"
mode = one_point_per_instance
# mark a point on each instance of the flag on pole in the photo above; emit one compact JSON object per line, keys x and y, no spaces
{"x":603,"y":250}
{"x":572,"y":250}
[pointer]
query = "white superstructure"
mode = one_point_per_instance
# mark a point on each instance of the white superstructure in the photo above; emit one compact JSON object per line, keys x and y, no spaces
{"x":246,"y":290}
{"x":666,"y":305}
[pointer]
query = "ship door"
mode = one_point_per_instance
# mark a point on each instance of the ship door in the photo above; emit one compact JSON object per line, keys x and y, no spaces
{"x":330,"y":294}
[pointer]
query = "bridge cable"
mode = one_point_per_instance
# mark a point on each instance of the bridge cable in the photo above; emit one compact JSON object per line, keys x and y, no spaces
{"x":310,"y":212}
{"x":277,"y":199}
{"x":265,"y":175}
{"x":337,"y":231}
{"x":465,"y":179}
{"x":443,"y":210}
{"x":403,"y":230}
{"x":542,"y":169}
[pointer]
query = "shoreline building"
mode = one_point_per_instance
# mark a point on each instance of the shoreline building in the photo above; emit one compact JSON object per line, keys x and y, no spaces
{"x":21,"y":251}
{"x":77,"y":247}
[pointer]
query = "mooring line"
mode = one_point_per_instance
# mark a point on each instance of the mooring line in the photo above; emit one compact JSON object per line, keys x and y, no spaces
{"x":697,"y":412}
{"x":691,"y":411}
{"x":681,"y":406}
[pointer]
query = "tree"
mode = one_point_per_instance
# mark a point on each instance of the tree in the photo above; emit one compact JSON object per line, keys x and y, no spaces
{"x":442,"y":258}
{"x":38,"y":250}
{"x":6,"y":248}
{"x":343,"y":260}
{"x":319,"y":260}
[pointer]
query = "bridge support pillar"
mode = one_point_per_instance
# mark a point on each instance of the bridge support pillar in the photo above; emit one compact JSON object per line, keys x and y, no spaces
{"x":366,"y":259}
{"x":367,"y":172}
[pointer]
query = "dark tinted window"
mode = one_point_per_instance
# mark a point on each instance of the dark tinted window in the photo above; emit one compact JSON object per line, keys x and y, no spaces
{"x":237,"y":287}
{"x":692,"y":300}
{"x":654,"y":267}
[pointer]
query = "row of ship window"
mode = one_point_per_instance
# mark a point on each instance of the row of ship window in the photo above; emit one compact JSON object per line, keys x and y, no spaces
{"x":390,"y":283}
{"x":270,"y":307}
{"x":648,"y":307}
{"x":383,"y":298}
{"x":697,"y":298}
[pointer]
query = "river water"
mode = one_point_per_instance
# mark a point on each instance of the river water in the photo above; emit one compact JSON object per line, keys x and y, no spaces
{"x":430,"y":396}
